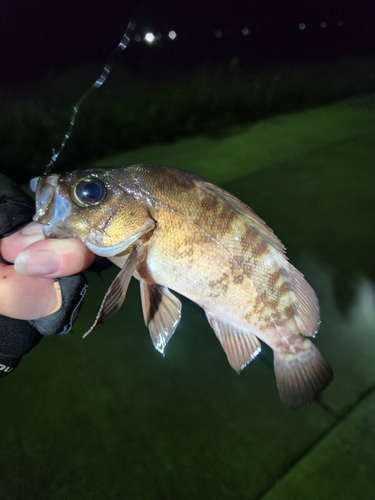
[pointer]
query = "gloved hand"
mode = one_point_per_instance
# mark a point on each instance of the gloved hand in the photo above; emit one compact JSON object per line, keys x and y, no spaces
{"x":18,"y":336}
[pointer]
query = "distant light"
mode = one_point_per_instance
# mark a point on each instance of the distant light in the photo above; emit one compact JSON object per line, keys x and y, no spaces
{"x":302,"y":26}
{"x":218,"y":34}
{"x":172,"y":35}
{"x":246,"y":31}
{"x":157,"y":35}
{"x":137,"y":37}
{"x":149,"y":37}
{"x":323,"y":24}
{"x":340,"y":23}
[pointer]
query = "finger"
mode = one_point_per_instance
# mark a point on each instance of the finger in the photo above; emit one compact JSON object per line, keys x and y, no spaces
{"x":54,"y":258}
{"x":40,"y":296}
{"x":12,"y":245}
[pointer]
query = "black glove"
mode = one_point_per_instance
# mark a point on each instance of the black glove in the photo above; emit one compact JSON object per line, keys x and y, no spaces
{"x":17,"y":337}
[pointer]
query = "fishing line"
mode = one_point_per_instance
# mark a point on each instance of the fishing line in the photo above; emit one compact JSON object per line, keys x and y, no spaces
{"x":97,"y":84}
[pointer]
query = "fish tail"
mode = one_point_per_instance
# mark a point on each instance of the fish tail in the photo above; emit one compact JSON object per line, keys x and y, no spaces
{"x":301,"y":375}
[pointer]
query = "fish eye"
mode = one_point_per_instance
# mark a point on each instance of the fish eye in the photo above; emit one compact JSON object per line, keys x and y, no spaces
{"x":88,"y":192}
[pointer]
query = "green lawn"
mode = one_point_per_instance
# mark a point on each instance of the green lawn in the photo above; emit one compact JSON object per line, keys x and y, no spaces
{"x":267,"y":143}
{"x":109,"y":417}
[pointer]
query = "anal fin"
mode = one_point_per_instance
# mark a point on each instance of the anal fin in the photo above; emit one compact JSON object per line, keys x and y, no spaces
{"x":161,"y":312}
{"x":240,"y":345}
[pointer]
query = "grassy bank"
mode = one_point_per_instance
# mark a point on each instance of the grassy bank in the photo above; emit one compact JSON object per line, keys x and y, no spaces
{"x":129,"y":113}
{"x":309,"y":174}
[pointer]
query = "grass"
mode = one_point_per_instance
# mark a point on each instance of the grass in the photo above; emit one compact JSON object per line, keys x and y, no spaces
{"x":306,"y":164}
{"x":248,"y":148}
{"x":124,"y":116}
{"x":109,"y":417}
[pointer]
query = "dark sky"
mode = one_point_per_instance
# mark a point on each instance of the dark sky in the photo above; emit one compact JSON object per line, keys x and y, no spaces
{"x":36,"y":35}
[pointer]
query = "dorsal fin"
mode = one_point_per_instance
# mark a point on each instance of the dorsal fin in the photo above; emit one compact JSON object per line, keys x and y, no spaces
{"x":256,"y":222}
{"x":306,"y":305}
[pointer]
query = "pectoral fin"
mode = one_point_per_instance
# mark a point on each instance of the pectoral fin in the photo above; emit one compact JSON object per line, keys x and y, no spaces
{"x":161,"y":312}
{"x":240,"y":346}
{"x":116,"y":293}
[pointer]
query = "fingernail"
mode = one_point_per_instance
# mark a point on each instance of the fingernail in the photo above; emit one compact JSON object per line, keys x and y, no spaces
{"x":39,"y":263}
{"x":31,"y":229}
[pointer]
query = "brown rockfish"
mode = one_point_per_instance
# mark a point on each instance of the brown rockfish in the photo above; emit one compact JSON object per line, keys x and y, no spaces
{"x":171,"y":229}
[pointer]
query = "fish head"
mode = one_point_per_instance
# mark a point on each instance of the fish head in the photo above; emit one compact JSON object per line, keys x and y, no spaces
{"x":107,"y":214}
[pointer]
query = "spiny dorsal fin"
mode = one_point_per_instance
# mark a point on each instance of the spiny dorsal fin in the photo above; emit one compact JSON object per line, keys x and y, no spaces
{"x":305,"y":304}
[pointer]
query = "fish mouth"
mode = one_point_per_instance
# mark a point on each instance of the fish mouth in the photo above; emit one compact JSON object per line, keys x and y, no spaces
{"x":34,"y":183}
{"x":52,"y":208}
{"x":51,"y":231}
{"x":44,"y":188}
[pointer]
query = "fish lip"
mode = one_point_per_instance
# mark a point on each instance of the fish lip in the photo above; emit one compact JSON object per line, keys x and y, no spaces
{"x":52,"y":217}
{"x":45,"y":188}
{"x":34,"y":183}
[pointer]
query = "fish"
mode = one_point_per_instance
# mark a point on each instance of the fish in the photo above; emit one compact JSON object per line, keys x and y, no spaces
{"x":173,"y":230}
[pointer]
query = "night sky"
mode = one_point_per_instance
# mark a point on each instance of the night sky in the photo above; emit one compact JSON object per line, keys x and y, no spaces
{"x":39,"y":36}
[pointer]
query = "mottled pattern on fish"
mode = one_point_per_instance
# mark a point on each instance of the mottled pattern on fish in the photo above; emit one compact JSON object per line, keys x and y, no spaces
{"x":191,"y":236}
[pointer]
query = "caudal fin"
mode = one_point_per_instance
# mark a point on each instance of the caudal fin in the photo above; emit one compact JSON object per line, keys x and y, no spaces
{"x":301,"y":376}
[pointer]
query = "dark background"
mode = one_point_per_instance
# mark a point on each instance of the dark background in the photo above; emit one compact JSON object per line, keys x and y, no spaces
{"x":39,"y":37}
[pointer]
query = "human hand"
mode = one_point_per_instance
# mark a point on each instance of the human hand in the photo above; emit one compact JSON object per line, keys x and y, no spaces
{"x":37,"y":300}
{"x":37,"y":261}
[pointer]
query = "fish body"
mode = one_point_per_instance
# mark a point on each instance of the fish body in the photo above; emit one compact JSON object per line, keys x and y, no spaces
{"x":173,"y":230}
